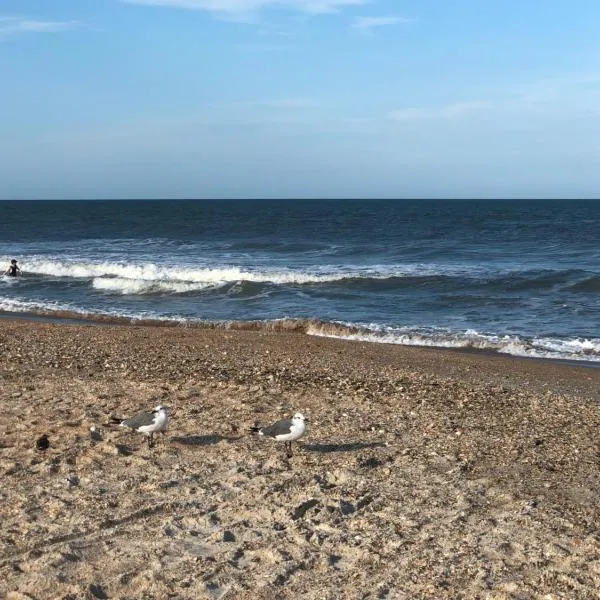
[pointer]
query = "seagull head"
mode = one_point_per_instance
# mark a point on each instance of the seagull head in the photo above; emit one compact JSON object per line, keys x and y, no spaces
{"x":299,"y":417}
{"x":160,"y":408}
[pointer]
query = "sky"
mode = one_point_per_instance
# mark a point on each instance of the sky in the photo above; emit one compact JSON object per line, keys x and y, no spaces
{"x":299,"y":98}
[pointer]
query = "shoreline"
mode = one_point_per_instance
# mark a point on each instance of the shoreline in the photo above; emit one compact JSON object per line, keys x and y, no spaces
{"x":425,"y":473}
{"x":294,"y":326}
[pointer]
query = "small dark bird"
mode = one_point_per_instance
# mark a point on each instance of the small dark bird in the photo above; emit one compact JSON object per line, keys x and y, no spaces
{"x":42,"y":443}
{"x":95,"y":434}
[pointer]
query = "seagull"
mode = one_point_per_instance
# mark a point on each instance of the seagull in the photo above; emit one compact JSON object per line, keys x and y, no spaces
{"x":286,"y":431}
{"x":147,"y":423}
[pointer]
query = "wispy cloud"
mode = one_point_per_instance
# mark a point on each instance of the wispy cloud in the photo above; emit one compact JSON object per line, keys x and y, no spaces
{"x":562,"y":96}
{"x":368,"y":23}
{"x":13,"y":25}
{"x":230,"y":7}
{"x":450,"y":111}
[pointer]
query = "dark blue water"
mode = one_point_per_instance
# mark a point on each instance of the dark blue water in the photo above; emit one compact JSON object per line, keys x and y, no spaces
{"x":521,"y":277}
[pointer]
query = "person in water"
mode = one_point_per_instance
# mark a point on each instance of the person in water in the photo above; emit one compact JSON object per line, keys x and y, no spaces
{"x":13,"y":269}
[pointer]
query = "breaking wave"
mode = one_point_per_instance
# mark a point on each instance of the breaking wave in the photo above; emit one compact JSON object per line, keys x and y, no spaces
{"x":152,"y":278}
{"x":147,"y":278}
{"x":534,"y":347}
{"x":121,"y":285}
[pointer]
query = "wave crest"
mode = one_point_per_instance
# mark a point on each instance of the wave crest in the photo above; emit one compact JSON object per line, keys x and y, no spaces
{"x":535,"y":347}
{"x":121,"y":285}
{"x":183,"y":278}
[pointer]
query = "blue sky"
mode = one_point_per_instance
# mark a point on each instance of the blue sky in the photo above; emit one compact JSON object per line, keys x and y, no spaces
{"x":299,"y":98}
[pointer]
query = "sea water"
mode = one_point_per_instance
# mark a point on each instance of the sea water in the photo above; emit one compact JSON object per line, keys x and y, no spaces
{"x":518,"y":277}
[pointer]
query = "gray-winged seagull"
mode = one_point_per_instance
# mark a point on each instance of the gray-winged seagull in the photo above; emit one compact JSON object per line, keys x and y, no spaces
{"x":147,"y":423}
{"x":285,"y":431}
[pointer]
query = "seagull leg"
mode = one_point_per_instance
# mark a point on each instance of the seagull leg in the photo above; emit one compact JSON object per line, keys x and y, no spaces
{"x":288,"y":448}
{"x":150,"y":440}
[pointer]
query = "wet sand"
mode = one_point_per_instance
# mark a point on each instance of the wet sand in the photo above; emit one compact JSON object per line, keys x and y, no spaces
{"x":424,"y":474}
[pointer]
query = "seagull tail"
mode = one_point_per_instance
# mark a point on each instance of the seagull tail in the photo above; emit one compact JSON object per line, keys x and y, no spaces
{"x":114,"y":421}
{"x":254,"y":429}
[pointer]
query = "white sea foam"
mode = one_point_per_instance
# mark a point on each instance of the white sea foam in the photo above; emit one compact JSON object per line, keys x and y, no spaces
{"x":114,"y":276}
{"x":124,"y":286}
{"x":570,"y":349}
{"x":31,"y":306}
{"x":50,"y":308}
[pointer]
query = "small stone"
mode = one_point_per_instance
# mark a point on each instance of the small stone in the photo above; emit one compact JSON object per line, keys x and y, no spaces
{"x":42,"y":443}
{"x":228,"y":536}
{"x":168,"y":531}
{"x":72,"y":480}
{"x":165,"y":485}
{"x":364,"y":501}
{"x":370,"y":463}
{"x":346,"y":508}
{"x":303,"y":508}
{"x":97,"y":592}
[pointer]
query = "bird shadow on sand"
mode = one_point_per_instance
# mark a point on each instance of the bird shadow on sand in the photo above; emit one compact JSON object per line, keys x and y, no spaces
{"x":124,"y":449}
{"x":346,"y":447}
{"x":202,"y":440}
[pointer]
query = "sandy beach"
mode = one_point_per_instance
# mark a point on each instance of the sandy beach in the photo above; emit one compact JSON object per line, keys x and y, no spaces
{"x":424,"y":473}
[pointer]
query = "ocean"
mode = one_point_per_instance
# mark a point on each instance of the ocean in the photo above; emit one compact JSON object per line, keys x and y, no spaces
{"x":515,"y":277}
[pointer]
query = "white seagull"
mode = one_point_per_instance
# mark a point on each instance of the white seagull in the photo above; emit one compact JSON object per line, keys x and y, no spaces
{"x":147,"y":423}
{"x":285,"y":431}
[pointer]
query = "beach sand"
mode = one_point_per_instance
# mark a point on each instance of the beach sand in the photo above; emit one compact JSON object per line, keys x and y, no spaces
{"x":424,"y":473}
